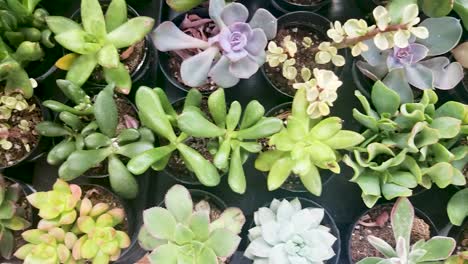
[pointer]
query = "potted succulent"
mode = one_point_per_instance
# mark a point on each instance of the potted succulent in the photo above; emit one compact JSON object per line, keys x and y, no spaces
{"x":227,"y":49}
{"x":186,"y":231}
{"x":96,"y":132}
{"x":404,"y":241}
{"x":306,"y":145}
{"x":77,"y":225}
{"x":100,"y":43}
{"x":293,"y":231}
{"x":16,"y":215}
{"x":407,"y":145}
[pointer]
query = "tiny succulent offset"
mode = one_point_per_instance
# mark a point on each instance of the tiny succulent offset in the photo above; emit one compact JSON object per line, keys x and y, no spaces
{"x":184,"y":232}
{"x":287,"y":233}
{"x":12,"y":217}
{"x":304,"y":147}
{"x":97,"y":41}
{"x":407,"y":145}
{"x":435,"y":250}
{"x":235,"y":53}
{"x":72,"y":229}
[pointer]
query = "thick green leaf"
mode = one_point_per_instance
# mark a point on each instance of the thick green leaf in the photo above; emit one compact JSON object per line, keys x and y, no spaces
{"x":326,"y":128}
{"x":199,"y":224}
{"x":116,"y":14}
{"x":134,"y":149}
{"x":147,"y":241}
{"x":81,"y":69}
{"x":80,"y":161}
{"x":236,"y":178}
{"x":391,"y":191}
{"x":206,"y":172}
{"x":221,"y":159}
{"x":60,"y":24}
{"x":131,"y":32}
{"x":160,"y":223}
{"x":179,"y":202}
{"x":97,"y":140}
{"x":108,"y":57}
{"x":120,"y":77}
{"x":166,"y":254}
{"x":384,"y":99}
{"x":105,"y":111}
{"x":262,"y":129}
{"x":7,"y":244}
{"x":92,"y":18}
{"x":265,"y":160}
{"x":141,"y":163}
{"x":440,"y":173}
{"x":344,"y":139}
{"x":233,"y":116}
{"x":402,"y":217}
{"x":457,"y":208}
{"x":51,"y":129}
{"x":223,"y":242}
{"x":436,"y":8}
{"x":461,"y":7}
{"x":312,"y":181}
{"x":121,"y":180}
{"x":166,"y":104}
{"x":279,"y":172}
{"x":78,"y":41}
{"x":445,"y":34}
{"x":217,"y":107}
{"x":438,"y":248}
{"x":195,"y":124}
{"x":254,"y":111}
{"x":448,"y":127}
{"x":183,"y":5}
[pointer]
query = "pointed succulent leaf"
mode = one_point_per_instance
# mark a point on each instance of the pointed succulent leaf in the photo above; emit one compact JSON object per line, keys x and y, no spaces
{"x":120,"y":77}
{"x":108,"y":57}
{"x":402,"y":217}
{"x":168,"y":36}
{"x":195,"y":124}
{"x":382,"y":246}
{"x":82,"y":68}
{"x":116,"y":14}
{"x":206,"y":172}
{"x":77,"y":41}
{"x":327,"y":128}
{"x":179,"y":202}
{"x":131,"y":32}
{"x":60,"y":24}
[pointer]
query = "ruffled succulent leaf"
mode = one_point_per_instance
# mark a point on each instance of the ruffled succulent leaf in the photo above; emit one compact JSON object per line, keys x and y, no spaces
{"x":391,"y":191}
{"x":168,"y":36}
{"x":369,"y":183}
{"x":116,"y":14}
{"x":445,"y":34}
{"x":441,"y":174}
{"x":448,"y":127}
{"x":131,"y":32}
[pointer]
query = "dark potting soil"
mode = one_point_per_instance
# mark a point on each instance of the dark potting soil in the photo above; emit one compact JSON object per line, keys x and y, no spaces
{"x":98,"y":194}
{"x":125,"y":110}
{"x":24,"y":142}
{"x":305,"y":2}
{"x":130,"y":57}
{"x":304,"y":57}
{"x":377,"y":223}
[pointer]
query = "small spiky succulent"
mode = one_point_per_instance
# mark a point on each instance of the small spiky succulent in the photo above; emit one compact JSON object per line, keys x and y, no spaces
{"x":286,"y":233}
{"x":11,"y":217}
{"x":97,"y":40}
{"x":435,"y":250}
{"x":407,"y":145}
{"x":182,"y":232}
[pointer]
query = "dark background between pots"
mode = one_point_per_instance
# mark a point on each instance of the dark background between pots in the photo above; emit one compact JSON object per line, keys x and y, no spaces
{"x":340,"y":198}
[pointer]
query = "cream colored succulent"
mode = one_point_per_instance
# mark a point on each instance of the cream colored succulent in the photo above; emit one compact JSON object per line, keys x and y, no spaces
{"x":289,"y":71}
{"x":384,"y":41}
{"x":336,"y":32}
{"x":382,"y":17}
{"x":410,"y":19}
{"x":359,"y":48}
{"x":356,"y":28}
{"x":5,"y":144}
{"x":275,"y":55}
{"x":290,"y":46}
{"x":328,"y":53}
{"x":307,"y":42}
{"x":24,"y":125}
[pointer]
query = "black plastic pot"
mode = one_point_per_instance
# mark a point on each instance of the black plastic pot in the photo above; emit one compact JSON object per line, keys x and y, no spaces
{"x":144,"y":64}
{"x":286,"y":6}
{"x":432,"y":227}
{"x":456,"y":232}
{"x":316,"y":23}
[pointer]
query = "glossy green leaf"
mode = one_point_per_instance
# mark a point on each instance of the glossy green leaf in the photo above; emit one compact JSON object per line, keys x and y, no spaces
{"x":134,"y":149}
{"x":253,"y":112}
{"x":131,"y":32}
{"x":97,"y":140}
{"x":141,"y":163}
{"x":81,"y":69}
{"x":312,"y":181}
{"x":233,"y":116}
{"x":121,"y":180}
{"x":80,"y":161}
{"x":221,"y":158}
{"x":108,"y":57}
{"x":206,"y":172}
{"x":280,"y":171}
{"x":51,"y":129}
{"x":195,"y":124}
{"x":78,"y":41}
{"x":262,"y":129}
{"x":71,"y":120}
{"x":217,"y":107}
{"x":73,"y":92}
{"x":391,"y":191}
{"x":116,"y":14}
{"x":59,"y":24}
{"x":105,"y":111}
{"x":166,"y":104}
{"x":236,"y":177}
{"x":60,"y":152}
{"x":92,"y":18}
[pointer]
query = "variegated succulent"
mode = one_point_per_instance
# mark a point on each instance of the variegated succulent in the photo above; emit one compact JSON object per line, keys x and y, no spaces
{"x":407,"y":145}
{"x":183,"y":232}
{"x":287,"y":233}
{"x":435,"y":250}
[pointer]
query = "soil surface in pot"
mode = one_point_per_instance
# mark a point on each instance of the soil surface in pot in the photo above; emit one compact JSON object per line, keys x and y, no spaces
{"x":305,"y":57}
{"x":305,"y":2}
{"x":98,"y":194}
{"x":130,"y":57}
{"x":126,"y":111}
{"x":203,"y":32}
{"x":23,"y":140}
{"x":377,"y":223}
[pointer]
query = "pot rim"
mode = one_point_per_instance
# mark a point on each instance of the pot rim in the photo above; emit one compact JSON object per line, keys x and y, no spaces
{"x":285,"y":6}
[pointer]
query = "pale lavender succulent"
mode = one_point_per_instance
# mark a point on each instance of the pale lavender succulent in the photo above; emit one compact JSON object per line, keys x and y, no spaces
{"x":401,"y":57}
{"x":237,"y":52}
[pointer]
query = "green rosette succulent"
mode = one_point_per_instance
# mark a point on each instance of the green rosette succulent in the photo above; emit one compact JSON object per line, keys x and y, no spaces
{"x":97,"y":40}
{"x":157,"y":114}
{"x":435,"y":250}
{"x":305,"y":146}
{"x":181,"y":234}
{"x":11,"y":217}
{"x":91,"y":135}
{"x":233,"y":135}
{"x":407,"y":145}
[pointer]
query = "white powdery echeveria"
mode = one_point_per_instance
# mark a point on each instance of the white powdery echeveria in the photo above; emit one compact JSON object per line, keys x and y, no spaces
{"x":286,"y":233}
{"x":235,"y":53}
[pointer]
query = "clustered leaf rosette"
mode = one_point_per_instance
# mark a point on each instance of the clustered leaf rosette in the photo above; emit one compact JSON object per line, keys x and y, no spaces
{"x":286,"y":233}
{"x":304,"y":146}
{"x":407,"y":145}
{"x":97,"y":40}
{"x":11,"y":217}
{"x":232,"y":135}
{"x":92,"y":134}
{"x":85,"y":233}
{"x":235,"y":53}
{"x":179,"y":233}
{"x":435,"y":250}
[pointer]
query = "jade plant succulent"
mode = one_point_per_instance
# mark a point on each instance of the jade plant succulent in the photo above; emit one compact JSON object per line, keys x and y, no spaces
{"x":407,"y":145}
{"x":233,"y":135}
{"x":157,"y":114}
{"x":72,"y":229}
{"x":97,"y":40}
{"x":235,"y":53}
{"x":287,"y":233}
{"x":11,"y":217}
{"x":92,"y":134}
{"x":435,"y":250}
{"x":184,"y":232}
{"x":305,"y":146}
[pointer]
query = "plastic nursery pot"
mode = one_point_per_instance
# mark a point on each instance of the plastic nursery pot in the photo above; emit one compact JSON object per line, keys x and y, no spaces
{"x":286,"y":6}
{"x":293,"y":183}
{"x":307,"y":21}
{"x":460,"y":234}
{"x":418,"y":213}
{"x":42,"y":143}
{"x":139,"y":68}
{"x":97,"y":193}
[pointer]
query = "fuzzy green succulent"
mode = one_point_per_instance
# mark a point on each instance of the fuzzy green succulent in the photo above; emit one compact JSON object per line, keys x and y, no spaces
{"x":435,"y":250}
{"x":11,"y":217}
{"x":233,"y":135}
{"x":305,"y":146}
{"x":98,"y":39}
{"x":181,"y":234}
{"x":91,"y":135}
{"x":408,"y":145}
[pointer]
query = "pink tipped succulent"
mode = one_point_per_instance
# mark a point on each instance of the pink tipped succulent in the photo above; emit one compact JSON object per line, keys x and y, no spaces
{"x":235,"y":53}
